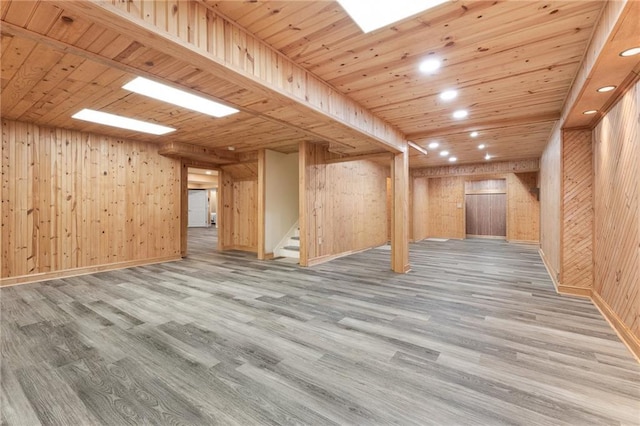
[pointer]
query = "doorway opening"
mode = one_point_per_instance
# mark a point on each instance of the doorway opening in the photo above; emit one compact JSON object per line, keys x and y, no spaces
{"x":202,"y":209}
{"x":486,"y":208}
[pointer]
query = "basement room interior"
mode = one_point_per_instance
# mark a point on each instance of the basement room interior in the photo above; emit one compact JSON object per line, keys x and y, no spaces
{"x":320,"y":212}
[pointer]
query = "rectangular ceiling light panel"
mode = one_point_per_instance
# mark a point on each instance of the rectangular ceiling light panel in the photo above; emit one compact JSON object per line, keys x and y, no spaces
{"x":178,"y":97}
{"x":121,"y":122}
{"x":373,"y":14}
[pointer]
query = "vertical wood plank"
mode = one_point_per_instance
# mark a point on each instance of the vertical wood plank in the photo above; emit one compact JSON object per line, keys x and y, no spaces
{"x":261,"y":203}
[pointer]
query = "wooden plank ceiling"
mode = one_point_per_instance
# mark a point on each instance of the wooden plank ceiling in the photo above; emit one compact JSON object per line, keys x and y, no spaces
{"x":512,"y":63}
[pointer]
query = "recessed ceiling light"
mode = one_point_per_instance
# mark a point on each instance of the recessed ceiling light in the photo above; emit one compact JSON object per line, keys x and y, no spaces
{"x":482,"y":146}
{"x":474,"y":134}
{"x":371,"y":15}
{"x":434,"y":145}
{"x":444,"y":153}
{"x":630,"y":52}
{"x":121,"y":122}
{"x":591,"y":111}
{"x":231,"y":148}
{"x":452,"y":159}
{"x":178,"y":97}
{"x":461,"y":113}
{"x":606,"y":89}
{"x":429,"y":65}
{"x":487,"y":157}
{"x":448,"y":95}
{"x":209,"y":172}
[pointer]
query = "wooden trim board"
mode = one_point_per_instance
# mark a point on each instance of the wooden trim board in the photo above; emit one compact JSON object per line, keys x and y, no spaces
{"x":45,"y":276}
{"x":625,"y":334}
{"x":322,"y":259}
{"x":550,"y":270}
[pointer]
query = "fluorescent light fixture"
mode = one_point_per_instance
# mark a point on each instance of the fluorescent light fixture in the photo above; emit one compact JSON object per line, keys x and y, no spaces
{"x":448,"y":95}
{"x":178,"y":97}
{"x":373,"y":14}
{"x":482,"y":146}
{"x":121,"y":122}
{"x":429,"y":65}
{"x":474,"y":134}
{"x":461,"y":113}
{"x":630,"y":52}
{"x":453,"y":159}
{"x":434,"y":145}
{"x":487,"y":157}
{"x":590,"y":112}
{"x":444,"y":153}
{"x":606,"y":89}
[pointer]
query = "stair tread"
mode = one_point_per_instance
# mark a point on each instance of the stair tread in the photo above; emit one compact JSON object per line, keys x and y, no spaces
{"x":295,"y":238}
{"x":292,"y":248}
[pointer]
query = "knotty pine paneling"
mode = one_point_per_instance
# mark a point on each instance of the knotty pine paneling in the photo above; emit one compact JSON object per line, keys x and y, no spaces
{"x":616,"y":215}
{"x":550,"y":202}
{"x":523,"y":207}
{"x":346,"y":205}
{"x":577,"y":209}
{"x":446,"y":207}
{"x":420,"y":209}
{"x":74,"y":200}
{"x":238,"y":213}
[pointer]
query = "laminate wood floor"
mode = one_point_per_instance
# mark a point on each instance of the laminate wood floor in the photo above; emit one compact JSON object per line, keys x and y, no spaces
{"x":474,"y":334}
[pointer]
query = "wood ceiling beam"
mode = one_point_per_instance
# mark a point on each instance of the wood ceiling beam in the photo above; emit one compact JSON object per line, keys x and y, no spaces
{"x":185,"y":151}
{"x":486,"y":125}
{"x":194,"y":32}
{"x":377,"y":156}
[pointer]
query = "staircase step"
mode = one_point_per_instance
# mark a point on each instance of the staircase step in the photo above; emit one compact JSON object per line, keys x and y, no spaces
{"x":292,"y":248}
{"x":296,"y":238}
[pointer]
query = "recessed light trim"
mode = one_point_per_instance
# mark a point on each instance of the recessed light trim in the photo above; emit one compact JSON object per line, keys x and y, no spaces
{"x":606,"y":89}
{"x":461,"y":113}
{"x":630,"y":52}
{"x":482,"y":146}
{"x":231,"y":148}
{"x":487,"y":157}
{"x":474,"y":134}
{"x":449,"y":95}
{"x":590,"y":112}
{"x":433,"y":145}
{"x":453,"y":159}
{"x":208,"y":172}
{"x":429,"y":65}
{"x":444,"y":153}
{"x":171,"y":95}
{"x":372,"y":15}
{"x":121,"y":122}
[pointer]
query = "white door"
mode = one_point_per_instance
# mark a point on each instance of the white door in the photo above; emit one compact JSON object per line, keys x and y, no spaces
{"x":198,"y":208}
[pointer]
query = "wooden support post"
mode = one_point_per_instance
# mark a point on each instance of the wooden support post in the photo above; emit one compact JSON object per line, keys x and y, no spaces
{"x":184,"y":207}
{"x":303,"y":211}
{"x":400,"y":212}
{"x":225,"y":206}
{"x":261,"y":203}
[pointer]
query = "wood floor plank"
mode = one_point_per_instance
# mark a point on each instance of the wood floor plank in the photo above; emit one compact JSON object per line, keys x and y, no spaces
{"x":474,"y":334}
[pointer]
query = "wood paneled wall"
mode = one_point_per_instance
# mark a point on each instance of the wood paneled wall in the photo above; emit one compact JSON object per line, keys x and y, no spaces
{"x":420,"y":209}
{"x":344,"y":204}
{"x":438,"y":193}
{"x":238,"y":213}
{"x":75,"y":202}
{"x":577,"y":211}
{"x":617,"y":218}
{"x":523,"y":207}
{"x":550,"y":203}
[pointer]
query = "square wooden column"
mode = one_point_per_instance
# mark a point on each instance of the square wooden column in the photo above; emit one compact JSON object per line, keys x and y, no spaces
{"x":400,"y":212}
{"x":261,"y":203}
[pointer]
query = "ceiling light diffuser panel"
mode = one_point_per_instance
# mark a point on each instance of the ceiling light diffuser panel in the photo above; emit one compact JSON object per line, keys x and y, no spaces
{"x":113,"y":120}
{"x":371,"y":15}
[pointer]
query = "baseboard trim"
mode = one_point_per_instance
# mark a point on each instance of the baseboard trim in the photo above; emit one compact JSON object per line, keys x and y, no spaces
{"x":574,"y":291}
{"x":550,"y":270}
{"x":45,"y":276}
{"x":625,"y":334}
{"x":326,"y":258}
{"x":242,"y":248}
{"x":532,"y":242}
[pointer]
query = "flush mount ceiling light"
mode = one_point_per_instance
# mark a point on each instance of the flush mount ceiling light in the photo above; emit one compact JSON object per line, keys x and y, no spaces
{"x":630,"y":52}
{"x":461,"y":113}
{"x":178,"y":97}
{"x":590,"y":112}
{"x":373,"y":14}
{"x":474,"y":134}
{"x":429,"y":65}
{"x":448,"y":95}
{"x":482,"y":146}
{"x":452,"y":159}
{"x":487,"y":157}
{"x":606,"y":89}
{"x":121,"y":122}
{"x":434,"y":145}
{"x":444,"y":153}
